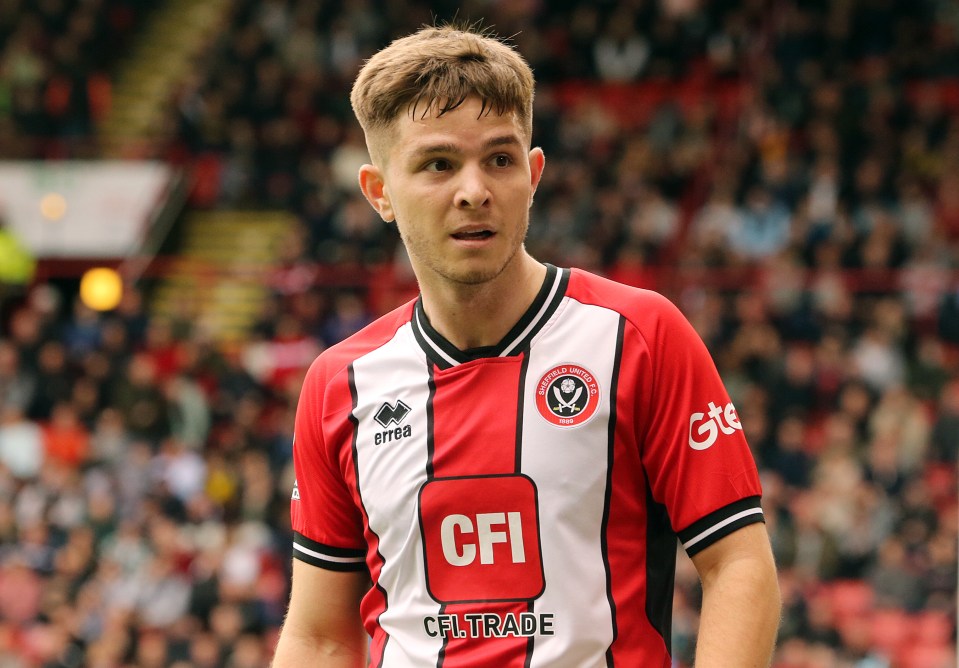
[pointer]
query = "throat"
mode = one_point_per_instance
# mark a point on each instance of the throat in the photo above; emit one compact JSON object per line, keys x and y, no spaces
{"x":474,"y":327}
{"x":480,"y":316}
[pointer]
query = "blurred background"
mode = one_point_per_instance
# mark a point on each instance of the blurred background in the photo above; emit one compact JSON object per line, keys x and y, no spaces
{"x":181,"y":233}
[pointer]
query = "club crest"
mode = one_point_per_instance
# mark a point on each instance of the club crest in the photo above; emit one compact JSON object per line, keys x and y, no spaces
{"x":567,"y":395}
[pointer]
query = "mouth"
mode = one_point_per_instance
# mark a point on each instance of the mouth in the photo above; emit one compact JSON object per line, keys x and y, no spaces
{"x":472,"y":235}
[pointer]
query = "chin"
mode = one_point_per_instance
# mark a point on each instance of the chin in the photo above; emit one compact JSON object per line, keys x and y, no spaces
{"x":477,"y":277}
{"x":474,"y":275}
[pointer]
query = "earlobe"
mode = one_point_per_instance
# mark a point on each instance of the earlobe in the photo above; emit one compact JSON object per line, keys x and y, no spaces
{"x":374,"y":189}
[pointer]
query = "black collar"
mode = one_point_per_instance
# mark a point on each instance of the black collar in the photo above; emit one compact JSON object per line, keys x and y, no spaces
{"x":445,"y":355}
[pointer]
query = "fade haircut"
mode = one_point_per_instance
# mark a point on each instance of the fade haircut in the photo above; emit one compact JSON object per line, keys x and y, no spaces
{"x":434,"y":70}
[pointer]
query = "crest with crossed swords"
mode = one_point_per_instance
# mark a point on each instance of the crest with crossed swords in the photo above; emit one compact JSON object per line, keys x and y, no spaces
{"x":563,"y":404}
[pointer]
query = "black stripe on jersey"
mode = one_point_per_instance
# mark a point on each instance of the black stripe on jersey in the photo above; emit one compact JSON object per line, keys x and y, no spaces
{"x":518,"y":469}
{"x":701,"y":534}
{"x":326,"y":556}
{"x":520,"y":406}
{"x":354,"y":399}
{"x":610,"y":458}
{"x":430,"y":442}
{"x":445,"y":355}
{"x":431,"y":475}
{"x":660,"y":568}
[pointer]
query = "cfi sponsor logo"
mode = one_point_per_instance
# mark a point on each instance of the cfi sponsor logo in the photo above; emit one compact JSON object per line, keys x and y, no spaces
{"x":704,"y":428}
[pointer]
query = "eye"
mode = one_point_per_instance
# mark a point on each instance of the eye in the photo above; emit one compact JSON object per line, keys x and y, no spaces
{"x":502,"y":160}
{"x":439,"y":165}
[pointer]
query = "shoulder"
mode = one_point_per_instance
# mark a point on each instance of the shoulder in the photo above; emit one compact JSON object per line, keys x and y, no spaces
{"x":335,"y":359}
{"x":646,"y":310}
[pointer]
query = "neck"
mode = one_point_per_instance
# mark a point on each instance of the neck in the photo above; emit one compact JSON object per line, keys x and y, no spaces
{"x":474,"y":316}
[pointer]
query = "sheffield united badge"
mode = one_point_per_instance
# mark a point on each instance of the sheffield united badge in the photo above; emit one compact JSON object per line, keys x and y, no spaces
{"x":567,"y":395}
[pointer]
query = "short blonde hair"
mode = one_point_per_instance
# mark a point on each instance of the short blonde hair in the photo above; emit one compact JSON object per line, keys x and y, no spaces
{"x":436,"y":69}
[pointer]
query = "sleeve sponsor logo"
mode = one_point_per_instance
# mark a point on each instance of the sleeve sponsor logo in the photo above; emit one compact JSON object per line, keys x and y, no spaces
{"x":704,"y":428}
{"x":481,"y":539}
{"x":567,"y":395}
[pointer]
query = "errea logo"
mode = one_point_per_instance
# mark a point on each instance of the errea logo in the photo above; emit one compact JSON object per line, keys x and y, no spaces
{"x":704,"y":428}
{"x":388,"y":415}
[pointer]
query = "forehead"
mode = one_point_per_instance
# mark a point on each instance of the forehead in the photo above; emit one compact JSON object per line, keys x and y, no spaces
{"x":462,"y":128}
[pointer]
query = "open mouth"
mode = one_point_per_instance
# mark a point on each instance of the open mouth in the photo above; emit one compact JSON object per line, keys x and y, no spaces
{"x":475,"y":235}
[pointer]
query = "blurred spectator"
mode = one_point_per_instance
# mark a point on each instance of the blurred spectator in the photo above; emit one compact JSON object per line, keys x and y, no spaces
{"x":140,"y":400}
{"x":54,"y":377}
{"x":189,"y":411}
{"x":180,"y":469}
{"x":21,"y":444}
{"x":944,"y":439}
{"x":813,"y":552}
{"x":762,"y":225}
{"x":894,"y":579}
{"x":17,"y":385}
{"x":790,"y":459}
{"x":17,"y":265}
{"x":65,"y":439}
{"x":349,"y":315}
{"x":714,"y":223}
{"x":621,"y":52}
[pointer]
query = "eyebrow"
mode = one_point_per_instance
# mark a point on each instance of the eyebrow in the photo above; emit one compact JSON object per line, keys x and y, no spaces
{"x":447,"y":148}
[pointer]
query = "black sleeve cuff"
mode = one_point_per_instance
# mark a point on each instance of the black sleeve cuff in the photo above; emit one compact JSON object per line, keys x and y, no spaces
{"x":326,"y":556}
{"x":704,"y":532}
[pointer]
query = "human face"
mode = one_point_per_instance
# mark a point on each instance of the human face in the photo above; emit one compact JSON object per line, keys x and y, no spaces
{"x":459,"y":187}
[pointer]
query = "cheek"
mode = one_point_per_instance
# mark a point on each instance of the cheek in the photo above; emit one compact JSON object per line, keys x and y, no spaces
{"x":419,"y":203}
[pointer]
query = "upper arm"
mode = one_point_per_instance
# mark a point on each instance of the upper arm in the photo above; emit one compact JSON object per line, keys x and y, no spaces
{"x":748,"y":546}
{"x":324,"y":617}
{"x":741,"y":600}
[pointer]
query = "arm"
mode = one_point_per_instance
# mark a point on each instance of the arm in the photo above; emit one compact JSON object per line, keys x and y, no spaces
{"x":323,"y":626}
{"x":741,"y":601}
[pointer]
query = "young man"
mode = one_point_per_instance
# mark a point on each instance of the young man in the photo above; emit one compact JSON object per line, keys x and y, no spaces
{"x":495,"y":474}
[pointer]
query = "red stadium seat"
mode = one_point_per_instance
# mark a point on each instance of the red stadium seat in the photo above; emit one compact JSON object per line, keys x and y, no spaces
{"x":891,"y":630}
{"x":926,"y":656}
{"x":851,"y":598}
{"x":934,"y":627}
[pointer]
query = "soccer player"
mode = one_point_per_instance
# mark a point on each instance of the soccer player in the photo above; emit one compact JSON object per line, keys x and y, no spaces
{"x":496,"y":473}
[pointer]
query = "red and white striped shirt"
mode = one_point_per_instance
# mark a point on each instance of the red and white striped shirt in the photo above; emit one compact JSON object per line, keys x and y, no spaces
{"x":518,"y":506}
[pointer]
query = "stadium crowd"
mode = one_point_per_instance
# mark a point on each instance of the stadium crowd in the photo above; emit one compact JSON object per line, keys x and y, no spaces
{"x":787,"y":172}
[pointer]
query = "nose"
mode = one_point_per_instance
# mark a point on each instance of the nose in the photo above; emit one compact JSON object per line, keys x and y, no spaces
{"x":472,"y":191}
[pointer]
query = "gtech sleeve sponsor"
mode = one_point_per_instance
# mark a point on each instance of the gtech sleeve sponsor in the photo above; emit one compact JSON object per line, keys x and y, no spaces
{"x":704,"y":428}
{"x":694,"y":451}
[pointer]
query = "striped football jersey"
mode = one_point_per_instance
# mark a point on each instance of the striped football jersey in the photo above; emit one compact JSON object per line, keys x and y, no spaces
{"x":518,"y":506}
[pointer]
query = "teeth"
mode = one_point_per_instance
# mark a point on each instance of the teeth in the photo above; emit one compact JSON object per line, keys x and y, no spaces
{"x":473,"y":235}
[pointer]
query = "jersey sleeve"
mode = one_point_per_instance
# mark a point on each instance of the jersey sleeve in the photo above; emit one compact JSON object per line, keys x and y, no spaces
{"x":695,"y":455}
{"x":327,"y":526}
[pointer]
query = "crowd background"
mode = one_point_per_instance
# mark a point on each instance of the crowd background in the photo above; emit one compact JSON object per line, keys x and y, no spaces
{"x":786,"y":171}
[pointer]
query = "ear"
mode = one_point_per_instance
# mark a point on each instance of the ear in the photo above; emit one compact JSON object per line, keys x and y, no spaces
{"x":537,"y":162}
{"x":374,"y":189}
